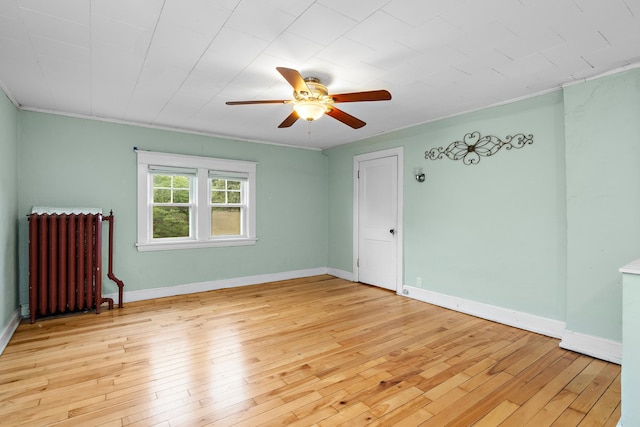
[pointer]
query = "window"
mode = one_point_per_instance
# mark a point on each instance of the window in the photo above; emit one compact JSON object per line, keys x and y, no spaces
{"x":189,"y":201}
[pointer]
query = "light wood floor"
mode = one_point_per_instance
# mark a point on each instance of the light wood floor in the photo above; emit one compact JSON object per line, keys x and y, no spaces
{"x":319,"y":351}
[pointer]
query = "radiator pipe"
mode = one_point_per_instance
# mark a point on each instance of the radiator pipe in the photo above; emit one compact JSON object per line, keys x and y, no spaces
{"x":110,"y":274}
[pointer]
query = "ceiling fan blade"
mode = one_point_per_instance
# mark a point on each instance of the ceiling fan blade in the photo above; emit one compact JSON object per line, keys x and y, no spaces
{"x":264,"y":101}
{"x":295,"y":79}
{"x":291,"y":119}
{"x":345,"y":118}
{"x":372,"y":95}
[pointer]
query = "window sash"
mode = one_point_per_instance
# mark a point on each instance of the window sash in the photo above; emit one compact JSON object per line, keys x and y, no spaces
{"x":226,"y":191}
{"x":155,"y":231}
{"x":214,"y":175}
{"x":171,"y":172}
{"x":217,"y":229}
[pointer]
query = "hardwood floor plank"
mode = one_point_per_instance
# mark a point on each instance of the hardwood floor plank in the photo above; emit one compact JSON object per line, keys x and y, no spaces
{"x":355,"y":415}
{"x":603,"y":409}
{"x":511,"y":389}
{"x":446,"y":386}
{"x":332,"y":402}
{"x":550,"y":383}
{"x":313,"y":418}
{"x":461,"y":406}
{"x":615,"y":417}
{"x":569,"y":417}
{"x":209,"y":415}
{"x":155,"y":416}
{"x":443,"y":403}
{"x":264,"y":418}
{"x":498,"y":414}
{"x":585,"y":401}
{"x":398,"y":414}
{"x":317,"y":351}
{"x":552,"y":410}
{"x":416,"y":418}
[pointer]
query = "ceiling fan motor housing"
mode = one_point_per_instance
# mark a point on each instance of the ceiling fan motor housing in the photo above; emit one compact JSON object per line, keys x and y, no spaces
{"x":317,"y":89}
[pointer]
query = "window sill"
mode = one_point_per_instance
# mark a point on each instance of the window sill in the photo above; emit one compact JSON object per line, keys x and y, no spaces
{"x":193,"y":244}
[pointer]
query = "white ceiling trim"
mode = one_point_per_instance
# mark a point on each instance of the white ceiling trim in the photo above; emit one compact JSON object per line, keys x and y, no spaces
{"x":158,"y":127}
{"x":605,"y":74}
{"x":7,"y":93}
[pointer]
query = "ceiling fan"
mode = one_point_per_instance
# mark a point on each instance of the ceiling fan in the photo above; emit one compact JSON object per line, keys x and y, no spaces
{"x":311,"y":100}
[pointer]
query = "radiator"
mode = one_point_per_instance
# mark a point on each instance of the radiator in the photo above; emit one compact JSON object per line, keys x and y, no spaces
{"x":65,"y":262}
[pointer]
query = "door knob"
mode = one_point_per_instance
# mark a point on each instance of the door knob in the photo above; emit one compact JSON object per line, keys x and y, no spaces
{"x":392,"y":231}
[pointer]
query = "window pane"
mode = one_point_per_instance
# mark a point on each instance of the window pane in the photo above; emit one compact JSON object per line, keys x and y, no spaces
{"x":233,"y":197}
{"x":225,"y":221}
{"x":181,"y":196}
{"x":180,"y":182}
{"x":161,"y":196}
{"x":170,"y":221}
{"x":218,"y":184}
{"x":161,"y":181}
{"x":218,"y":197}
{"x":233,"y":185}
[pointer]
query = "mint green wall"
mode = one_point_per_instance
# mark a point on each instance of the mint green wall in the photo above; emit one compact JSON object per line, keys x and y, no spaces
{"x":603,"y":198}
{"x":8,"y":211}
{"x":542,"y":229}
{"x":491,"y":232}
{"x":76,"y":162}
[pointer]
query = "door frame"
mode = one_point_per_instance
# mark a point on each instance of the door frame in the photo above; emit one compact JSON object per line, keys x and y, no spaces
{"x":399,"y":153}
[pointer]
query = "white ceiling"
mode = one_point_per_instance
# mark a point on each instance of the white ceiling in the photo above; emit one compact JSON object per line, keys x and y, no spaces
{"x":174,"y":63}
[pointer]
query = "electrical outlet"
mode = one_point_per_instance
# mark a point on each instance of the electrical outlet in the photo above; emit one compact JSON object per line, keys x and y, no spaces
{"x":418,"y":281}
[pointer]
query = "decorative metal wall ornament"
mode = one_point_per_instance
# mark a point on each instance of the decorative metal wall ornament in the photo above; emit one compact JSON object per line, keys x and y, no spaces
{"x":473,"y":146}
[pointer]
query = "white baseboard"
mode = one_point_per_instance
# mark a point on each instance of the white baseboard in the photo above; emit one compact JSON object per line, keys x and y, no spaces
{"x":602,"y":348}
{"x":8,"y":332}
{"x":342,"y":274}
{"x":526,"y":321}
{"x":145,"y":294}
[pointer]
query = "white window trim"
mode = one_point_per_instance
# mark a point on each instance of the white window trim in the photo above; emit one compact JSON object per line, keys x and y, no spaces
{"x":201,"y":234}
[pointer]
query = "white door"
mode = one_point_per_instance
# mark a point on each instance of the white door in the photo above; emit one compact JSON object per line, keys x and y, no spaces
{"x":377,"y":218}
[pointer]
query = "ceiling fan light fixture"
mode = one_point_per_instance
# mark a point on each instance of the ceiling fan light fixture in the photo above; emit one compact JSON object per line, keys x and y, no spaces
{"x":310,"y":110}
